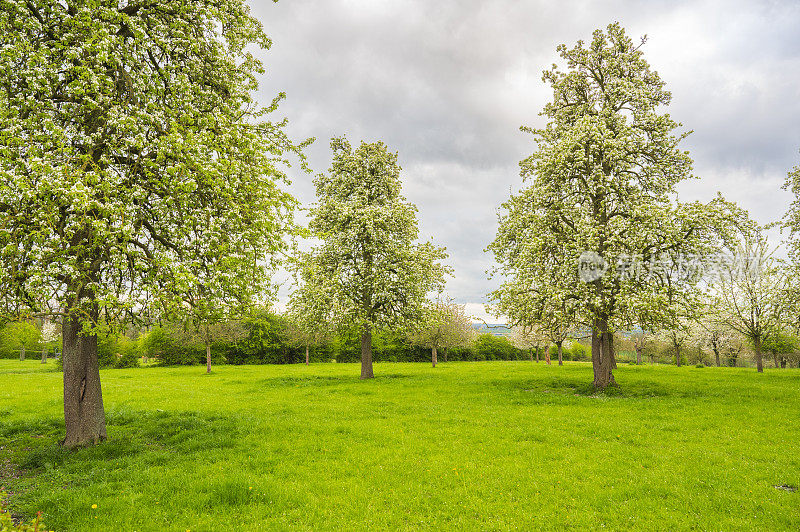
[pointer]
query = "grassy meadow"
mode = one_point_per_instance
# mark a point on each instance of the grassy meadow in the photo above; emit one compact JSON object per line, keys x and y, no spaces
{"x":469,"y":446}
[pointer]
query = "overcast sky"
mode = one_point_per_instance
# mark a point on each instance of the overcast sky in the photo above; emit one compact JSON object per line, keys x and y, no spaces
{"x":447,"y":84}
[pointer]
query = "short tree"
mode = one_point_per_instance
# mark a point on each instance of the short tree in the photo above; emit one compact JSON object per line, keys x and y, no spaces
{"x":641,"y":339}
{"x":528,"y":339}
{"x":49,"y":338}
{"x":750,"y":294}
{"x":307,"y":314}
{"x":368,"y":271}
{"x":781,"y":345}
{"x":444,"y":324}
{"x":676,"y":337}
{"x":126,"y":129}
{"x":21,"y":336}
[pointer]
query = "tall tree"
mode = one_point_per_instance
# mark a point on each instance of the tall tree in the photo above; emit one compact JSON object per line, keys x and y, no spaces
{"x":127,"y":126}
{"x":445,"y":324}
{"x":368,"y":270}
{"x":602,"y":191}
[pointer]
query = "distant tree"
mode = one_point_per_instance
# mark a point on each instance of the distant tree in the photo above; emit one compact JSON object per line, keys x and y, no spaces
{"x":445,"y":324}
{"x":368,"y":271}
{"x":528,"y":339}
{"x":641,"y":339}
{"x":21,"y":336}
{"x":127,"y":127}
{"x":309,"y":312}
{"x":557,"y":323}
{"x":603,"y":182}
{"x":49,"y":337}
{"x":751,"y":293}
{"x":676,"y":337}
{"x":781,"y":345}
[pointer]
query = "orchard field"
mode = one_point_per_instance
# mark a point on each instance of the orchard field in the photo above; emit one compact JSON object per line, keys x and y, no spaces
{"x":471,"y":446}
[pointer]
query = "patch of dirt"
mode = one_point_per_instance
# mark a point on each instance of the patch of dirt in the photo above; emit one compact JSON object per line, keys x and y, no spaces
{"x":786,"y":487}
{"x":7,"y":472}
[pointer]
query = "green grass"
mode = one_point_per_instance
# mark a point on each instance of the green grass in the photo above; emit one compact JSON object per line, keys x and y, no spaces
{"x":469,"y":446}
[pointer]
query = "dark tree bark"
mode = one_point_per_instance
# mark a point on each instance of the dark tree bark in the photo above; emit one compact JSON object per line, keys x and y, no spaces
{"x":44,"y":356}
{"x":677,"y":354}
{"x":638,"y":356}
{"x":84,"y":415}
{"x":775,"y":359}
{"x":306,"y":355}
{"x":22,"y":353}
{"x":560,"y":353}
{"x":602,"y":355}
{"x":366,"y":353}
{"x":537,"y":353}
{"x":783,"y":362}
{"x":208,"y":356}
{"x":444,"y":352}
{"x":547,"y":354}
{"x":716,"y":355}
{"x":433,"y":356}
{"x":759,"y":359}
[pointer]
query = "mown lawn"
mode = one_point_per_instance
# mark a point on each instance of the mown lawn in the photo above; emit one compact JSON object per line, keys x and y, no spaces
{"x":489,"y":446}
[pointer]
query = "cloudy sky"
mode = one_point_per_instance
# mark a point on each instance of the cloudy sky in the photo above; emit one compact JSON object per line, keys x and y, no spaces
{"x":448,"y":83}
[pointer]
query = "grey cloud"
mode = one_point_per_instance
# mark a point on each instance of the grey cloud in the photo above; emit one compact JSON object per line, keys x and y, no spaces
{"x":448,"y":83}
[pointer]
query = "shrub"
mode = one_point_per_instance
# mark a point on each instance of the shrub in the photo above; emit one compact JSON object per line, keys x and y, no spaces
{"x":171,"y":347}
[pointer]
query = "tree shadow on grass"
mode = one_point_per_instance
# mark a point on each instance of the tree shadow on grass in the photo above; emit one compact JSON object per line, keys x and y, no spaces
{"x":583,"y":387}
{"x":34,"y":445}
{"x":286,"y":382}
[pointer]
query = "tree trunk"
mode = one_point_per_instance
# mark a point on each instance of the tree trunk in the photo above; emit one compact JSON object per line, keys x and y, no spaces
{"x":783,"y":362}
{"x":306,"y":355}
{"x":716,"y":355}
{"x":44,"y":356}
{"x":366,"y":353}
{"x":433,"y":356}
{"x":759,"y":360}
{"x":602,"y":355}
{"x":638,"y":356}
{"x":22,"y":353}
{"x":560,"y":352}
{"x":208,"y":356}
{"x":677,"y":355}
{"x":84,"y":416}
{"x":537,"y":353}
{"x":444,"y":352}
{"x":530,"y":353}
{"x":775,"y":359}
{"x":547,"y":354}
